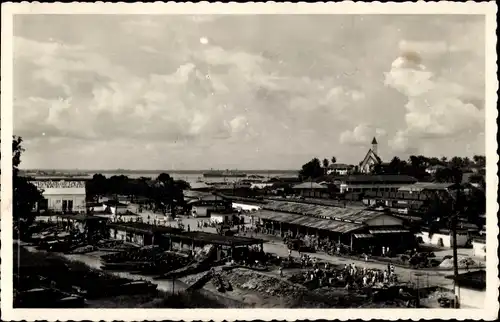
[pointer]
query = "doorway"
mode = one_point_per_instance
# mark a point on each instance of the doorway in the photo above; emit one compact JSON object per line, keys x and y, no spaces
{"x":67,"y":205}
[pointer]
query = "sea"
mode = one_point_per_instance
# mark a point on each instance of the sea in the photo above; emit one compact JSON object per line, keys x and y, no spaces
{"x":188,"y":176}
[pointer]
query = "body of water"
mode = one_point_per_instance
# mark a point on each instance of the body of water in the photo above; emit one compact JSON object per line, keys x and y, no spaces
{"x":189,"y":176}
{"x":198,"y":176}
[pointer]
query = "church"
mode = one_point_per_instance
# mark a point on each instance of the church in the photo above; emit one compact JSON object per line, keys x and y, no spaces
{"x":371,"y":159}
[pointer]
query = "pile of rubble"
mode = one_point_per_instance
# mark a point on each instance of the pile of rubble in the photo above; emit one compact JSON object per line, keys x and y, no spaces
{"x":265,"y":284}
{"x":463,"y":262}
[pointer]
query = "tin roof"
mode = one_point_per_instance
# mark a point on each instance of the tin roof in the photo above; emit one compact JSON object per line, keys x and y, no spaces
{"x":309,"y":185}
{"x":200,"y":186}
{"x":81,"y":217}
{"x":420,"y":186}
{"x":388,"y":231}
{"x":306,"y":221}
{"x":392,"y":178}
{"x":217,"y":239}
{"x":140,"y":227}
{"x":363,"y":236}
{"x":355,"y":215}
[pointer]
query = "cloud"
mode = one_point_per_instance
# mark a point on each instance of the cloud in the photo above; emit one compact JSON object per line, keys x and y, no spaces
{"x":285,"y":91}
{"x":361,"y":135}
{"x":436,"y":107}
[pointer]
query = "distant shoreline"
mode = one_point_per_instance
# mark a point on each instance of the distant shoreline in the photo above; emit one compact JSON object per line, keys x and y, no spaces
{"x":152,"y":171}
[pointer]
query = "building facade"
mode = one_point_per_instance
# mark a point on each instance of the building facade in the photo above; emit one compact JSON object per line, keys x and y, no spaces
{"x":66,"y":195}
{"x":371,"y":158}
{"x":365,"y":182}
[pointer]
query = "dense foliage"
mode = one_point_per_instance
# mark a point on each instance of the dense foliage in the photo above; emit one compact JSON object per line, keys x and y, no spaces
{"x":161,"y":194}
{"x":25,"y":195}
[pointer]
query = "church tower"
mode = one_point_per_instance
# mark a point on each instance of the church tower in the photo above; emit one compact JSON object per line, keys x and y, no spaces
{"x":375,"y":146}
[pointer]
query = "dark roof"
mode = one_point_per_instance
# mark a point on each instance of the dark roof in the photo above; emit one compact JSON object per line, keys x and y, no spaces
{"x":217,"y":239}
{"x":374,"y":141}
{"x":355,"y":215}
{"x":436,"y":167}
{"x":396,"y":178}
{"x":340,"y":166}
{"x":144,"y":228}
{"x":474,"y":279}
{"x":209,"y":197}
{"x":81,"y":217}
{"x":307,"y":221}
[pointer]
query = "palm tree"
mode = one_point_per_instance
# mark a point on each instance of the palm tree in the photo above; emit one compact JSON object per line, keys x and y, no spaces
{"x":326,"y":163}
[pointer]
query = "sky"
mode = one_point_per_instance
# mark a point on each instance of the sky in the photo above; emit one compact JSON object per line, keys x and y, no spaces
{"x":179,"y":92}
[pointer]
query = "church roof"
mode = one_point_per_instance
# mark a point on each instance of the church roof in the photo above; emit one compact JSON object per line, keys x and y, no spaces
{"x":374,"y":141}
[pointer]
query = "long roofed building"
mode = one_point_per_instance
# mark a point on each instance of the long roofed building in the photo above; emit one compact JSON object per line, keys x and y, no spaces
{"x":358,"y":228}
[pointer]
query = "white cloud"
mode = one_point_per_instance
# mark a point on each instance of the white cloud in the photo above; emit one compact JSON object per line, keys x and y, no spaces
{"x":436,"y":106}
{"x":424,"y":47}
{"x":361,"y":135}
{"x":277,"y":88}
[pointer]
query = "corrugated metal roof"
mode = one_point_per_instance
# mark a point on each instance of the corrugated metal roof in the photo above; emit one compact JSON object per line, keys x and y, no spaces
{"x":399,"y":178}
{"x":199,"y":185}
{"x":306,"y":221}
{"x":309,"y":185}
{"x":356,"y":215}
{"x":388,"y":231}
{"x":419,"y":186}
{"x":363,"y":236}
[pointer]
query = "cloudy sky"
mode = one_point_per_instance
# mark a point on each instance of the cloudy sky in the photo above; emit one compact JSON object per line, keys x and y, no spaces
{"x":246,"y":92}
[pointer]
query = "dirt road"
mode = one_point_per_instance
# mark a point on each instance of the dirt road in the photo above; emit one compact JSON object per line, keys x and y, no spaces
{"x":425,"y":278}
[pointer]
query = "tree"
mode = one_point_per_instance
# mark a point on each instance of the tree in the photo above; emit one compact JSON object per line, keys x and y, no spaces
{"x":311,"y":170}
{"x":479,"y":160}
{"x":334,"y":160}
{"x":457,"y":162}
{"x":167,"y":193}
{"x":326,"y":163}
{"x":451,"y":175}
{"x":25,"y":194}
{"x":97,"y":187}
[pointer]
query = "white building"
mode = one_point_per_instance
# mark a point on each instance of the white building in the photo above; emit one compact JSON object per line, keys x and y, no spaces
{"x":340,"y":169}
{"x":479,"y":247}
{"x":61,"y":194}
{"x":220,"y":218}
{"x":371,"y":158}
{"x":443,"y":238}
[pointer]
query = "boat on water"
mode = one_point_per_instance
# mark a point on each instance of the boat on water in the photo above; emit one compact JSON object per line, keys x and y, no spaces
{"x":224,"y":174}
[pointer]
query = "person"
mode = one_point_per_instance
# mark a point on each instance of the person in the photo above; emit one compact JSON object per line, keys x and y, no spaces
{"x":289,"y":253}
{"x":383,"y":251}
{"x":281,"y":271}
